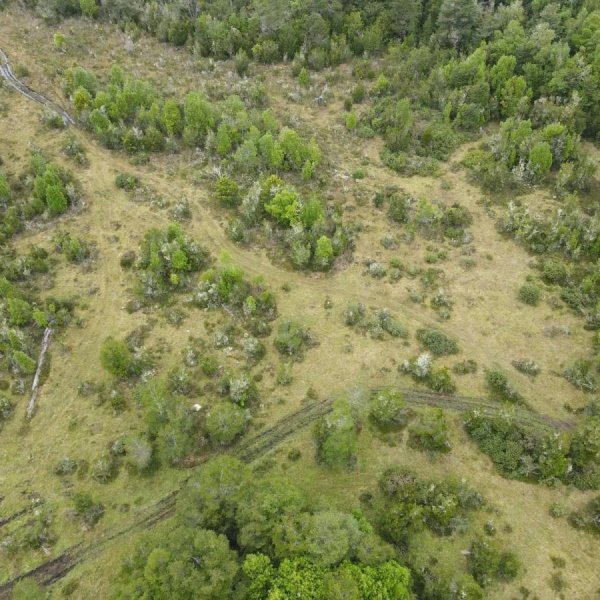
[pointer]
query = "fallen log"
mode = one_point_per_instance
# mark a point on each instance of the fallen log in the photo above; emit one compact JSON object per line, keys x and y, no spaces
{"x":36,"y":379}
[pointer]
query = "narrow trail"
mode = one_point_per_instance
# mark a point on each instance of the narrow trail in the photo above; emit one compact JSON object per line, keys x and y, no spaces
{"x":252,"y":449}
{"x":7,"y":73}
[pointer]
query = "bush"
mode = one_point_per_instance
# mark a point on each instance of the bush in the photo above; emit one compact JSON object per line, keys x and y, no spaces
{"x":440,"y":380}
{"x":74,"y":248}
{"x":554,"y":271}
{"x":488,"y":563}
{"x":336,"y":437}
{"x":19,"y":312}
{"x":292,"y":339}
{"x":126,"y":181}
{"x":388,"y":410}
{"x":105,"y":468}
{"x":116,"y":358}
{"x":139,"y":454}
{"x":529,"y":293}
{"x":166,"y":260}
{"x":23,"y":362}
{"x":430,"y":432}
{"x":87,"y":509}
{"x":580,"y":375}
{"x":225,"y":423}
{"x":399,"y":206}
{"x":6,"y":409}
{"x":437,"y":342}
{"x":500,"y":387}
{"x":56,"y":199}
{"x":527,"y":366}
{"x":465,"y":367}
{"x":227,"y":192}
{"x":66,"y":466}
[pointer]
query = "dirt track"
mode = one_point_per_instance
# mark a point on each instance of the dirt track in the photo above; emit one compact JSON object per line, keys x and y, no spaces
{"x":8,"y":75}
{"x":248,"y":451}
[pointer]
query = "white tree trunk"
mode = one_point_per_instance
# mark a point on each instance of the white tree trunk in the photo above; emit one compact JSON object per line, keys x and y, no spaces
{"x":36,"y":379}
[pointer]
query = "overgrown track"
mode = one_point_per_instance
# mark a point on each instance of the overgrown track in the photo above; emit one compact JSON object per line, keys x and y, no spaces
{"x":8,"y":75}
{"x":248,"y":451}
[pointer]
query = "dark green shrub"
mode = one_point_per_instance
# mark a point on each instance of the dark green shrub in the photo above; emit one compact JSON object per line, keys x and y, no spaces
{"x":336,"y":438}
{"x":126,"y":181}
{"x":500,"y":387}
{"x":89,"y":511}
{"x":225,"y":423}
{"x":437,"y":342}
{"x":292,"y":339}
{"x":388,"y":410}
{"x":488,"y":563}
{"x":116,"y":358}
{"x":399,"y":207}
{"x":430,"y":432}
{"x":227,"y":192}
{"x":440,"y":380}
{"x":465,"y":367}
{"x":554,"y":271}
{"x":529,"y":293}
{"x":580,"y":375}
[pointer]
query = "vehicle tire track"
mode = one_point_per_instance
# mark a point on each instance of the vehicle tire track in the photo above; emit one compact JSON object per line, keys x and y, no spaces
{"x":7,"y":73}
{"x":248,"y":451}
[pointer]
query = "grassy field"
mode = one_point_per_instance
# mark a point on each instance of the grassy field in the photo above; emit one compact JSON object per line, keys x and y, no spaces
{"x":488,"y":321}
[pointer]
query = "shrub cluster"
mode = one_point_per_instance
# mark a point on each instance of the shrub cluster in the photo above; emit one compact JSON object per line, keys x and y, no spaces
{"x":128,"y":113}
{"x":522,"y":453}
{"x":311,"y":233}
{"x":422,"y":370}
{"x":376,"y":324}
{"x":336,"y":437}
{"x":165,"y":262}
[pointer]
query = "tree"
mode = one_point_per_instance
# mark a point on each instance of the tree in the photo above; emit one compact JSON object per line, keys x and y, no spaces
{"x":225,"y":423}
{"x":458,"y":23}
{"x":284,"y":206}
{"x":511,"y":96}
{"x":227,"y":192}
{"x":263,"y":505}
{"x":388,"y":410}
{"x":89,"y":8}
{"x":198,"y":118}
{"x":323,"y":253}
{"x":179,"y":564}
{"x":210,"y":498}
{"x":56,"y":199}
{"x":259,"y":572}
{"x":540,"y":160}
{"x":336,"y":437}
{"x":171,"y":118}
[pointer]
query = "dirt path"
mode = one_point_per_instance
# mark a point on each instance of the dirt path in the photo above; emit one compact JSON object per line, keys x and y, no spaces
{"x":13,"y":82}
